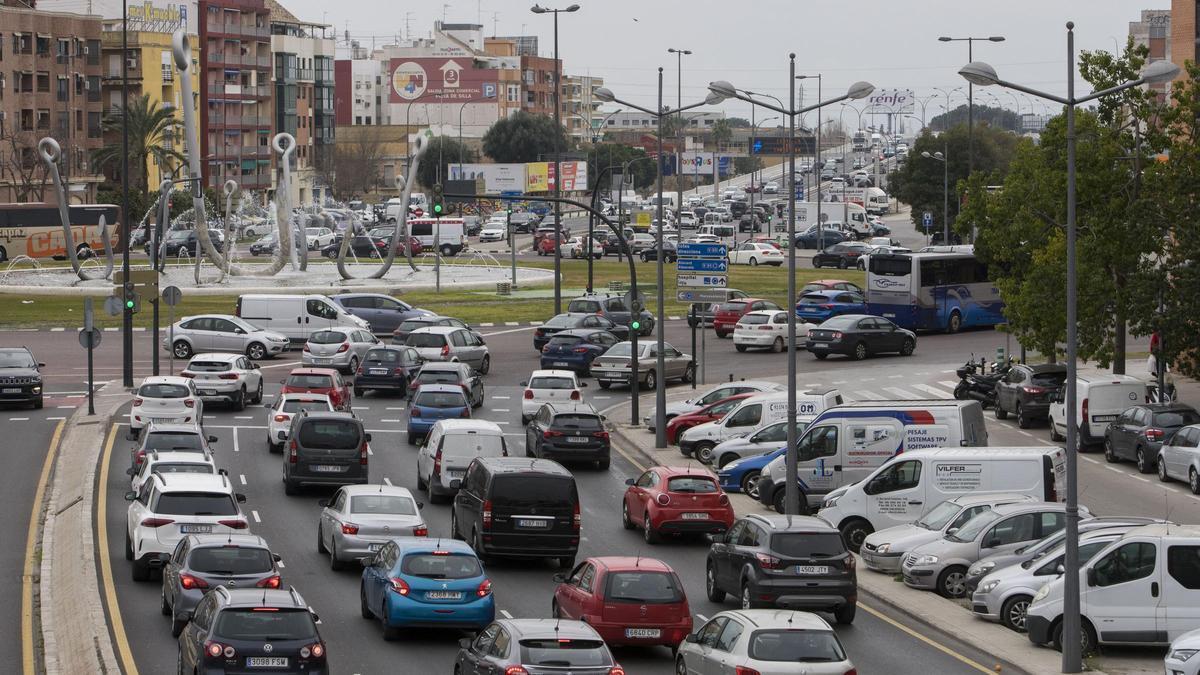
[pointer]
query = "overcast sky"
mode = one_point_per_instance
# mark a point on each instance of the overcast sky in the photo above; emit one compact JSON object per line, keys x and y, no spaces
{"x":890,"y":44}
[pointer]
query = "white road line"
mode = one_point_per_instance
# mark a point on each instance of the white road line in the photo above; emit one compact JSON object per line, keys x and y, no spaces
{"x":235,"y":440}
{"x":506,"y":614}
{"x":702,"y":617}
{"x":362,"y":407}
{"x":390,"y":420}
{"x":834,"y":382}
{"x":948,"y":383}
{"x":57,"y":330}
{"x":56,"y":418}
{"x":387,"y":431}
{"x":254,"y":515}
{"x":1144,"y":480}
{"x":502,"y":423}
{"x":388,"y":481}
{"x":65,"y":407}
{"x":500,"y":398}
{"x":511,"y":323}
{"x":242,"y":477}
{"x":370,"y":451}
{"x":863,"y":395}
{"x":940,"y":393}
{"x":18,"y":419}
{"x":510,"y":330}
{"x":244,"y":417}
{"x":950,"y":371}
{"x":280,"y":563}
{"x":894,"y":377}
{"x":601,"y":398}
{"x":501,"y":410}
{"x":1115,"y":470}
{"x":902,"y":393}
{"x":400,"y":408}
{"x":210,"y":417}
{"x":1089,"y":459}
{"x":1025,"y":433}
{"x":486,"y":325}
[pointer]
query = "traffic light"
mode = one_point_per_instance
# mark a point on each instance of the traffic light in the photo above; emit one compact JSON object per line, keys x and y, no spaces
{"x":438,"y":204}
{"x":131,"y":301}
{"x":635,"y":325}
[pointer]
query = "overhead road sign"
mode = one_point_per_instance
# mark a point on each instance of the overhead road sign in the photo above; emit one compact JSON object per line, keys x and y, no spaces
{"x":694,"y":250}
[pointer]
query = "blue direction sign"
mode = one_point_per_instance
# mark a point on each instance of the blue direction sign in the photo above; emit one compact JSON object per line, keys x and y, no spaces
{"x":701,"y":265}
{"x":692,"y":250}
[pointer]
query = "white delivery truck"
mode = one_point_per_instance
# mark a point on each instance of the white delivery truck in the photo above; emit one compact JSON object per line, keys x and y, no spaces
{"x":447,"y":236}
{"x":845,"y":215}
{"x":1099,"y":399}
{"x":296,"y":316}
{"x":872,"y":199}
{"x":845,"y":444}
{"x":753,"y":414}
{"x":901,"y":490}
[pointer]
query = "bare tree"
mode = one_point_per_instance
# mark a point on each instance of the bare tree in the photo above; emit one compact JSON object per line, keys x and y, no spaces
{"x":352,"y":168}
{"x":20,"y":165}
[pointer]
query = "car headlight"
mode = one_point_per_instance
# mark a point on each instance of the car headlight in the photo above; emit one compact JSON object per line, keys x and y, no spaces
{"x":829,"y":503}
{"x":733,"y":465}
{"x":926,"y":560}
{"x":1182,"y":654}
{"x":1041,"y":594}
{"x":981,"y":569}
{"x":989,"y":586}
{"x":883,"y":548}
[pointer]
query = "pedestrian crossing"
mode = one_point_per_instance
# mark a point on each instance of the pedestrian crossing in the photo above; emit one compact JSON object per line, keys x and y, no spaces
{"x":911,"y":391}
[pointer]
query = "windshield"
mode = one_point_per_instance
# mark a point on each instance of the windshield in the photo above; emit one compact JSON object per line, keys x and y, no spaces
{"x":583,"y":306}
{"x":426,"y":340}
{"x":552,"y":383}
{"x":315,"y":231}
{"x":561,"y":321}
{"x":1050,"y":379}
{"x":390,"y":505}
{"x":178,"y":235}
{"x":440,"y":399}
{"x":840,"y":323}
{"x":808,"y":544}
{"x":620,"y":349}
{"x":587,"y":422}
{"x":441,"y":565}
{"x":163,"y":390}
{"x":195,"y":504}
{"x":231,"y":560}
{"x":310,"y":381}
{"x":791,"y":646}
{"x":565,"y":340}
{"x":382,"y":356}
{"x":643,"y":587}
{"x":413,"y":324}
{"x":327,"y":337}
{"x":329,"y":434}
{"x":737,"y":307}
{"x":426,"y":376}
{"x":973,"y":527}
{"x":564,"y":653}
{"x":172,"y":441}
{"x":258,"y":624}
{"x":17,"y":360}
{"x":692,"y":484}
{"x":208,"y":366}
{"x":938,"y":516}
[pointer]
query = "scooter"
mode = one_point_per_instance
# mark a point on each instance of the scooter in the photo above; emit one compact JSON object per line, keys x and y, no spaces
{"x":975,"y":384}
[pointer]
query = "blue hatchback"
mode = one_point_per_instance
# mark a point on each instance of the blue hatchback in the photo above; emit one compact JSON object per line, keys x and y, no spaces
{"x":422,"y":582}
{"x":576,"y":348}
{"x":433,"y":402}
{"x":742,"y":475}
{"x":817,"y":306}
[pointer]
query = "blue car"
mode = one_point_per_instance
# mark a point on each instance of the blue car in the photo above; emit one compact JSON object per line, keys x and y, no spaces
{"x":817,"y":306}
{"x":574,"y":349}
{"x":433,"y":402}
{"x":421,"y":582}
{"x":742,"y":475}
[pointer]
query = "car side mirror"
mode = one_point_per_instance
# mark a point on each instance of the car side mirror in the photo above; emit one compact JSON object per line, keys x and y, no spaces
{"x":241,"y":498}
{"x":316,"y":617}
{"x":41,"y":365}
{"x":222,"y":472}
{"x":253,"y":366}
{"x":283,"y":381}
{"x":323,"y":503}
{"x":1091,"y":576}
{"x":130,"y":496}
{"x":455,"y":484}
{"x":464,"y":643}
{"x":629,"y":481}
{"x":693,"y":638}
{"x":560,"y":578}
{"x":1060,"y":569}
{"x":211,"y":439}
{"x":367,"y":438}
{"x":719,"y":538}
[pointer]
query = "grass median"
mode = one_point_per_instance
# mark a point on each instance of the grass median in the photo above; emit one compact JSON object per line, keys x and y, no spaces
{"x":533,"y":303}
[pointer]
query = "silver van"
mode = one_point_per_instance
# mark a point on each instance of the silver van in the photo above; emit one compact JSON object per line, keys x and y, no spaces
{"x":448,"y":450}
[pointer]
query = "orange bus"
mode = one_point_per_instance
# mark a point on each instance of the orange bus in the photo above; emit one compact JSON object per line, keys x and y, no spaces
{"x":34,"y":229}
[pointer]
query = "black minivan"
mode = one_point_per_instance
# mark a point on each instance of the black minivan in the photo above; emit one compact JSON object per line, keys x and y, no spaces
{"x":325,"y":448}
{"x":518,"y":507}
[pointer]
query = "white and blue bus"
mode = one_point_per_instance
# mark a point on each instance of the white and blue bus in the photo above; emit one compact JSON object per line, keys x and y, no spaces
{"x":933,"y":291}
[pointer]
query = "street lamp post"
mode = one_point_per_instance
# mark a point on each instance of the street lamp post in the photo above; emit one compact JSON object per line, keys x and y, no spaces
{"x":127,"y":312}
{"x":982,"y":74}
{"x":816,"y":173}
{"x":944,"y":158}
{"x":538,"y":9}
{"x":971,"y":92}
{"x":592,"y":217}
{"x":726,"y":90}
{"x":679,"y":54}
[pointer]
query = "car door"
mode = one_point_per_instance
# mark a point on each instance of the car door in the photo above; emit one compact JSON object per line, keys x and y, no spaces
{"x":478,"y":655}
{"x":722,"y":659}
{"x":895,"y":495}
{"x":226,"y":336}
{"x":170,"y":570}
{"x":1131,"y":421}
{"x":742,"y":552}
{"x":1122,"y":592}
{"x":1180,"y":584}
{"x":200,"y":332}
{"x":1006,"y":389}
{"x":468,"y":500}
{"x":674,"y":361}
{"x":476,"y":387}
{"x":1008,"y":534}
{"x":703,"y":662}
{"x":253,"y":374}
{"x":331,"y":515}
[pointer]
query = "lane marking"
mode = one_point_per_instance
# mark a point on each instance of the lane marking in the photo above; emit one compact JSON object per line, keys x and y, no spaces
{"x":18,"y":419}
{"x":242,"y":478}
{"x":865,"y":395}
{"x":243,"y":417}
{"x":500,"y":398}
{"x":902,"y":393}
{"x":940,"y":393}
{"x":511,"y":330}
{"x":927,"y":640}
{"x":500,"y":410}
{"x":950,"y":384}
{"x":254,"y":515}
{"x":402,"y":408}
{"x":388,"y":481}
{"x":1089,"y":459}
{"x":30,"y":544}
{"x":235,"y":440}
{"x":506,"y":614}
{"x":702,"y":617}
{"x":280,"y":563}
{"x":390,"y":420}
{"x":116,"y":622}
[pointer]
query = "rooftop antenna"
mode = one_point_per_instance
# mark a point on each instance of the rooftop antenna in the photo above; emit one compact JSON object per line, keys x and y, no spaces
{"x":495,"y":20}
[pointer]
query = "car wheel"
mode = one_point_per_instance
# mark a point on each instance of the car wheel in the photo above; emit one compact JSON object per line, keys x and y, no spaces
{"x":1143,"y":463}
{"x":820,"y":356}
{"x":740,"y":348}
{"x":290,"y":489}
{"x":363,"y":609}
{"x":855,"y":532}
{"x":754,"y":262}
{"x":566,"y":562}
{"x":651,"y":380}
{"x":842,"y":264}
{"x":689,"y":373}
{"x":1194,"y":481}
{"x":649,"y":534}
{"x":1012,"y":612}
{"x":604,"y":384}
{"x":747,"y":598}
{"x":680,"y":666}
{"x":321,"y":540}
{"x":1087,"y":638}
{"x":860,"y":351}
{"x":447,"y":251}
{"x":258,"y":393}
{"x":454,"y":531}
{"x":485,"y":365}
{"x":1110,"y":453}
{"x":625,"y":521}
{"x":334,"y":563}
{"x":255,"y":351}
{"x":779,"y":500}
{"x":952,"y":582}
{"x":908,"y":347}
{"x":715,"y":594}
{"x":1056,"y":437}
{"x":777,"y":345}
{"x":1023,"y":420}
{"x":954,"y":324}
{"x":352,"y":368}
{"x":1000,"y":412}
{"x":359,"y":392}
{"x":750,"y":484}
{"x":704,"y":451}
{"x":182,"y":349}
{"x":844,"y":615}
{"x":128,"y":547}
{"x":239,"y":399}
{"x":140,"y":571}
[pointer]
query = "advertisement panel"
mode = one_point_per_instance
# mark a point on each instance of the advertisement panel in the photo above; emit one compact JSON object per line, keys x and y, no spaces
{"x":891,"y":101}
{"x":539,"y":176}
{"x":696,"y":162}
{"x":497,"y":178}
{"x":439,"y":80}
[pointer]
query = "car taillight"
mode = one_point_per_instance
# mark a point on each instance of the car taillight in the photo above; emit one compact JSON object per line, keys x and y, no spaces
{"x":723,"y":499}
{"x":485,"y":588}
{"x":576,"y":520}
{"x":437,"y":463}
{"x":415,"y":412}
{"x":487,"y":514}
{"x":190,"y":582}
{"x":744,"y":670}
{"x":466,"y":413}
{"x":139,"y":457}
{"x":233,"y":524}
{"x":137,"y":402}
{"x":156,"y":522}
{"x":516,"y":670}
{"x":187,"y":374}
{"x":550,"y":433}
{"x":528,"y":394}
{"x":1033,"y":390}
{"x":663,"y":499}
{"x":445,"y":350}
{"x":345,"y":347}
{"x":837,"y":335}
{"x":399,"y":585}
{"x":852,"y":671}
{"x":189,"y":402}
{"x":315,"y":650}
{"x":292,"y":452}
{"x":216,"y":650}
{"x":546,"y":348}
{"x":575,"y":395}
{"x":1154,"y":434}
{"x":1084,"y":407}
{"x":851,"y":563}
{"x":273,"y":581}
{"x":580,"y":350}
{"x":769,"y":562}
{"x":825,"y":306}
{"x":395,"y":371}
{"x":616,"y":670}
{"x":228,"y":376}
{"x":349,"y":528}
{"x":282,"y":418}
{"x":539,"y":332}
{"x":362,"y":454}
{"x":306,"y":349}
{"x":359,"y":371}
{"x":600,"y":434}
{"x":420,"y":531}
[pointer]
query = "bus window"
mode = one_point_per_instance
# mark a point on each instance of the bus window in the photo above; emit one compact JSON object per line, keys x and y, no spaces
{"x":888,"y":266}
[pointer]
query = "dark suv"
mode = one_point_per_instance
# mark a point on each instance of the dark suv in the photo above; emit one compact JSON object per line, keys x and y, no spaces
{"x":512,"y":506}
{"x":612,"y":307}
{"x":791,"y":562}
{"x":201,"y":562}
{"x":20,"y":377}
{"x":1026,"y":390}
{"x":325,"y":448}
{"x":569,"y":432}
{"x":252,"y":629}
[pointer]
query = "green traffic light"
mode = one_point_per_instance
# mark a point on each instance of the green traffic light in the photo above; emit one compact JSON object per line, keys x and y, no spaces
{"x":128,"y":304}
{"x":437,"y":208}
{"x":636,"y":325}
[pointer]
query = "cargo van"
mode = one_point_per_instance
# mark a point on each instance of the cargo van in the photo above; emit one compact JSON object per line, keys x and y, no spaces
{"x":1099,"y":399}
{"x":845,"y":444}
{"x":296,"y":316}
{"x":898,"y":492}
{"x":753,"y":414}
{"x":447,"y":236}
{"x":721,"y":231}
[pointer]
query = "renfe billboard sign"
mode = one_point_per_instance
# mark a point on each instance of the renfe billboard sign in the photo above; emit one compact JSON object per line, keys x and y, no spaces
{"x":439,"y":80}
{"x":893,"y":101}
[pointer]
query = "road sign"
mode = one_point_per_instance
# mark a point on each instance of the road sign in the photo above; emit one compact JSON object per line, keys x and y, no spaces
{"x":692,"y":250}
{"x":113,"y":305}
{"x":418,"y":212}
{"x":171,"y":295}
{"x":927,"y":219}
{"x":702,"y":296}
{"x":701,"y":280}
{"x":89,"y":338}
{"x":781,"y":145}
{"x":701,"y":265}
{"x":643,"y":218}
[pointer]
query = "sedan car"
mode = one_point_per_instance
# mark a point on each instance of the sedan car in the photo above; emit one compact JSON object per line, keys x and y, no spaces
{"x":577,"y":247}
{"x":612,"y":307}
{"x":279,"y":419}
{"x":227,"y":378}
{"x":493,"y":232}
{"x":1138,"y":433}
{"x":163,"y":398}
{"x":614,"y":366}
{"x":361,"y":246}
{"x":382,"y":312}
{"x":1025,"y":391}
{"x":418,"y":582}
{"x":1179,"y":458}
{"x":859,"y":336}
{"x":629,"y":600}
{"x":765,"y":329}
{"x":709,"y":413}
{"x":544,"y":646}
{"x":359,"y":519}
{"x":221,"y":333}
{"x":670,"y":252}
{"x":675,"y":501}
{"x":755,"y":253}
{"x":561,"y":322}
{"x":765,"y":641}
{"x":717,"y":393}
{"x":449,"y":372}
{"x":265,"y":245}
{"x":842,"y":255}
{"x":184,"y":243}
{"x":817,"y":306}
{"x":400,"y":334}
{"x":576,"y":348}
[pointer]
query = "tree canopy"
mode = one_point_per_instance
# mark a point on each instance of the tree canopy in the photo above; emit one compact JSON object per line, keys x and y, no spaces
{"x":985,"y":115}
{"x":641,"y":165}
{"x":524,"y":138}
{"x":442,"y":152}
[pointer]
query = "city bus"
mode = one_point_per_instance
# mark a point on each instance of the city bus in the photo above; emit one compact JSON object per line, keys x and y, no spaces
{"x":35,"y":230}
{"x":933,"y":291}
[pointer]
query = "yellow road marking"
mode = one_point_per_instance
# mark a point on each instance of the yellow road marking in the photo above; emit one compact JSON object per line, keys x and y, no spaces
{"x":27,"y":660}
{"x":124,"y":652}
{"x":927,"y":640}
{"x":626,"y":455}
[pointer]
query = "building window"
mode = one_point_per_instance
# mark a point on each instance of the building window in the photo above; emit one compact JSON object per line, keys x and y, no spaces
{"x":43,"y":119}
{"x":43,"y":82}
{"x":26,"y":119}
{"x":64,"y":51}
{"x":93,"y":88}
{"x":93,"y":122}
{"x":63,"y":127}
{"x":358,"y":119}
{"x":93,"y":52}
{"x":64,"y":88}
{"x":514,"y":93}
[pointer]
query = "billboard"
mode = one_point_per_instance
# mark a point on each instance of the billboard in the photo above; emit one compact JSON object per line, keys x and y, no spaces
{"x":891,"y":101}
{"x":696,"y":162}
{"x":497,"y":178}
{"x":439,"y":80}
{"x":539,"y":176}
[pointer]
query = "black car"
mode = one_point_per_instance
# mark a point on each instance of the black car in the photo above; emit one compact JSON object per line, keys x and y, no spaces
{"x":670,"y":252}
{"x":612,"y":246}
{"x":524,"y":222}
{"x":790,"y":562}
{"x":569,"y":321}
{"x":387,"y":369}
{"x":749,"y":222}
{"x":177,"y":242}
{"x":518,"y":507}
{"x":361,"y":246}
{"x":1138,"y":433}
{"x":265,"y":245}
{"x":536,"y":646}
{"x":383,"y":312}
{"x":842,"y":255}
{"x":238,"y":630}
{"x":1026,"y":391}
{"x":809,"y":238}
{"x":400,"y":335}
{"x":575,"y":349}
{"x":738,"y":208}
{"x":859,"y":336}
{"x":569,"y":432}
{"x":612,"y":307}
{"x":20,"y":377}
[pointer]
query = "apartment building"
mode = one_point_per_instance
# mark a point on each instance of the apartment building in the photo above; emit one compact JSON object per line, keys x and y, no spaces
{"x":580,"y":107}
{"x":1153,"y":30}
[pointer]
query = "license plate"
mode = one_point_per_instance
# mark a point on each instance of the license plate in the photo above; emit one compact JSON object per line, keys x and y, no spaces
{"x":207,"y":392}
{"x":327,"y":468}
{"x":533,"y":524}
{"x":322,"y":361}
{"x":695,"y":516}
{"x":374,"y":547}
{"x":456,"y":474}
{"x":557,"y":364}
{"x":643,"y":632}
{"x":377,"y":371}
{"x":266,"y":662}
{"x":443,"y":595}
{"x":17,"y":390}
{"x":818,"y":345}
{"x":195,"y":529}
{"x":1103,"y":418}
{"x":812,"y":569}
{"x":577,"y":439}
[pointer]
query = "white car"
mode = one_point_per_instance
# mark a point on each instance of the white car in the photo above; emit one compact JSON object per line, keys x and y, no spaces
{"x":549,"y":386}
{"x":756,"y":253}
{"x":448,"y":450}
{"x":170,"y":506}
{"x":704,"y":239}
{"x":493,"y":232}
{"x":765,"y":329}
{"x":771,"y":188}
{"x":227,"y":378}
{"x":279,"y":420}
{"x":687,"y":220}
{"x":1181,"y":657}
{"x":165,"y":398}
{"x":318,"y":237}
{"x":168,"y":462}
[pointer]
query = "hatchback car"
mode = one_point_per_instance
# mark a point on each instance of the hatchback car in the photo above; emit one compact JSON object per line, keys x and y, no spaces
{"x":1179,"y":458}
{"x":201,"y":562}
{"x":575,"y":349}
{"x":387,"y":369}
{"x":675,"y":501}
{"x":383,"y":312}
{"x":568,"y":431}
{"x":709,"y":413}
{"x":222,"y":333}
{"x":764,"y":641}
{"x":360,"y":246}
{"x":324,"y":381}
{"x":831,"y":285}
{"x":612,"y":307}
{"x":561,"y":322}
{"x":536,"y":646}
{"x":238,"y":630}
{"x":729,"y":313}
{"x":615,"y":365}
{"x":1026,"y":390}
{"x":859,"y":336}
{"x":817,"y":306}
{"x":459,"y":374}
{"x":359,"y":519}
{"x":448,"y":450}
{"x":717,"y":393}
{"x":670,"y":251}
{"x":842,"y":255}
{"x":400,"y":335}
{"x":279,"y":419}
{"x":630,"y":601}
{"x":160,"y":436}
{"x":226,"y":378}
{"x":167,"y":399}
{"x":433,"y":402}
{"x":168,"y":462}
{"x":446,"y":343}
{"x":325,"y":448}
{"x":418,"y":582}
{"x":764,"y":329}
{"x":755,"y":253}
{"x":549,"y":386}
{"x":1138,"y":433}
{"x":341,"y":347}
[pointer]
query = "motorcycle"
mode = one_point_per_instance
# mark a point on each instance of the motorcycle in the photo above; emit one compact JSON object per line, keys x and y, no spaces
{"x":977,"y":381}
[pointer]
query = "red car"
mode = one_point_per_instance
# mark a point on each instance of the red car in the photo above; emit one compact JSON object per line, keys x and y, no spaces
{"x":545,"y":245}
{"x":729,"y":313}
{"x":675,"y":500}
{"x":709,"y":413}
{"x":628,"y":600}
{"x":319,"y":381}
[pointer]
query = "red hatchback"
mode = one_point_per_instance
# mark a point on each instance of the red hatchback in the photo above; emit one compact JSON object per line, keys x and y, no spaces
{"x":729,"y":313}
{"x":325,"y":381}
{"x":628,"y":600}
{"x":675,"y":500}
{"x":709,"y":413}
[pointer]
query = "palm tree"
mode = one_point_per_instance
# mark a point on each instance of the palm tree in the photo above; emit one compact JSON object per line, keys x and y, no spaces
{"x":150,"y":126}
{"x":722,"y":132}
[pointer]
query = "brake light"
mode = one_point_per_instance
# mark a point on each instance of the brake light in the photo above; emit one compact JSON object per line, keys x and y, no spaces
{"x":528,"y":394}
{"x":1033,"y":390}
{"x":445,"y":350}
{"x":415,"y":412}
{"x":723,"y":499}
{"x":1154,"y":434}
{"x":216,"y":649}
{"x":189,"y":402}
{"x":1084,"y":407}
{"x":399,"y":585}
{"x":282,"y":418}
{"x":550,"y":433}
{"x":137,"y":402}
{"x":156,"y":522}
{"x":616,"y":670}
{"x":576,"y":521}
{"x":546,"y":348}
{"x":228,"y":376}
{"x":187,"y":374}
{"x":359,"y":371}
{"x":233,"y":524}
{"x":743,"y":670}
{"x":437,"y":463}
{"x":485,"y":588}
{"x":768,"y":562}
{"x":420,"y":531}
{"x":140,"y":457}
{"x":273,"y":581}
{"x":345,"y":347}
{"x":395,"y":371}
{"x":600,"y":434}
{"x":466,"y":413}
{"x":362,"y":454}
{"x":663,"y":499}
{"x":306,"y":347}
{"x":292,"y":452}
{"x":190,"y":582}
{"x":516,"y":670}
{"x":580,"y":350}
{"x":837,"y":335}
{"x":575,"y":395}
{"x":851,"y":563}
{"x":349,"y":528}
{"x":487,"y":514}
{"x":539,"y":332}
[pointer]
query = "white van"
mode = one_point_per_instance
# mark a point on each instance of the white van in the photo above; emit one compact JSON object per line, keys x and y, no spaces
{"x":753,"y":414}
{"x":448,"y":450}
{"x":847,"y":443}
{"x":1099,"y":399}
{"x":720,"y":231}
{"x":296,"y":316}
{"x":416,"y":200}
{"x":898,"y":492}
{"x":1142,"y":589}
{"x":444,"y":235}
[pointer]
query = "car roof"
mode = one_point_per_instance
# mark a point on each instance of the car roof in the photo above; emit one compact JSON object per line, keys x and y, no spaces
{"x":552,"y":373}
{"x":764,"y":312}
{"x":1044,"y":367}
{"x":327,"y":415}
{"x":779,"y":618}
{"x":1166,"y":530}
{"x":165,"y":379}
{"x":629,"y":563}
{"x":440,"y":388}
{"x":259,"y":597}
{"x":577,"y":332}
{"x":13,"y":349}
{"x":675,"y":471}
{"x":178,"y":457}
{"x":522,"y":465}
{"x":827,"y":293}
{"x":549,"y":628}
{"x":467,"y":426}
{"x":786,"y":523}
{"x":304,"y":396}
{"x":377,"y":489}
{"x":343,"y":329}
{"x":572,"y":409}
{"x":313,"y":371}
{"x":438,"y":330}
{"x":194,"y":482}
{"x":829,"y":282}
{"x":990,"y":498}
{"x":1022,"y":507}
{"x":448,"y":366}
{"x":425,"y":544}
{"x":173,"y":428}
{"x":215,"y":356}
{"x":244,"y":540}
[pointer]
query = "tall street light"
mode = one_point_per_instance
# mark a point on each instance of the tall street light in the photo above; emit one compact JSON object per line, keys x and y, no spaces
{"x":126,"y":224}
{"x":971,"y":92}
{"x":982,"y":74}
{"x":660,"y":389}
{"x":816,"y":172}
{"x":944,"y":158}
{"x":725,"y":90}
{"x":679,"y":54}
{"x":538,"y":9}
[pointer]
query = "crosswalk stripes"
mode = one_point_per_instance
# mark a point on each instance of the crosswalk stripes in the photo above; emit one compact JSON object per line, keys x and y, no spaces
{"x":949,"y":384}
{"x":862,"y":395}
{"x":903,"y":394}
{"x":937,"y":393}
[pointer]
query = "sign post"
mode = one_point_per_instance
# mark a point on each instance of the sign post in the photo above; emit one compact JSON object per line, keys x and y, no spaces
{"x":89,"y":337}
{"x":701,"y":278}
{"x":170,"y":295}
{"x":927,"y":222}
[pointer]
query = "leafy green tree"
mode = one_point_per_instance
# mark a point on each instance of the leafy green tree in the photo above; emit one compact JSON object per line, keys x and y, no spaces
{"x":641,"y":165}
{"x":150,"y":126}
{"x":524,"y":138}
{"x":442,"y":152}
{"x":738,"y":122}
{"x":985,"y":115}
{"x":744,"y":165}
